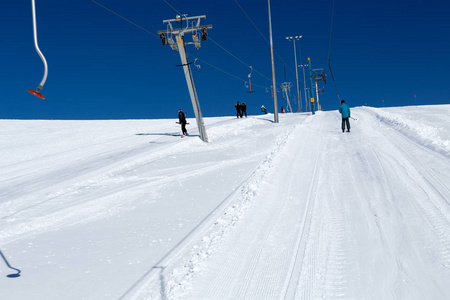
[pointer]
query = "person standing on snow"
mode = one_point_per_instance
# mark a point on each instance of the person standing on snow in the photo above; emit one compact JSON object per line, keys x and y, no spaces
{"x":344,"y":109}
{"x":238,"y":110}
{"x":243,"y":109}
{"x":182,"y":121}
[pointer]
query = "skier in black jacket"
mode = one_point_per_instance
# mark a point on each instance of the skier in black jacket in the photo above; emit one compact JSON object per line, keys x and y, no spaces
{"x":182,"y":121}
{"x":243,"y":109}
{"x":238,"y":110}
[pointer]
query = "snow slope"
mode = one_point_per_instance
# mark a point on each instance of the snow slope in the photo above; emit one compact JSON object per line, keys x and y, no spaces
{"x":294,"y":210}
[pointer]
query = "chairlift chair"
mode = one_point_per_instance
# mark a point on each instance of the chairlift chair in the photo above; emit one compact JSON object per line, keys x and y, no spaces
{"x":172,"y":43}
{"x":196,"y":40}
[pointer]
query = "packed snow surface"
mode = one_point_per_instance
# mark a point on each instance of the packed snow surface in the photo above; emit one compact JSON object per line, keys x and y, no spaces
{"x":291,"y":210}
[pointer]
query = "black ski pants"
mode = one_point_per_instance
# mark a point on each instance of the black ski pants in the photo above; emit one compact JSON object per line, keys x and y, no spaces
{"x":183,"y":128}
{"x":344,"y":122}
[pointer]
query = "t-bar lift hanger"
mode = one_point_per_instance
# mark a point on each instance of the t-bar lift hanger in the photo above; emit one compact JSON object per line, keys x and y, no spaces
{"x":44,"y":78}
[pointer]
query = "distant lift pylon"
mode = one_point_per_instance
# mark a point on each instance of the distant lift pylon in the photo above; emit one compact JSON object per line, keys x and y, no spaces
{"x":44,"y":78}
{"x":286,"y":88}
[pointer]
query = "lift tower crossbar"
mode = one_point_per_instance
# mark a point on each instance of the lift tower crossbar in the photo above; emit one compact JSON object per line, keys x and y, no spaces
{"x":167,"y":36}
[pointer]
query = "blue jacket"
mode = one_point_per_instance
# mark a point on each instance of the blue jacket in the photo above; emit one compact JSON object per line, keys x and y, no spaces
{"x":344,"y":110}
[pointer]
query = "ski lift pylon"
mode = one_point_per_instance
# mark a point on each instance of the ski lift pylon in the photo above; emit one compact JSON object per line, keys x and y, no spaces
{"x":44,"y":78}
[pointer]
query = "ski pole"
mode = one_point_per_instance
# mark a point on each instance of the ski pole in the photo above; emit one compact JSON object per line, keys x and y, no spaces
{"x":353,"y":118}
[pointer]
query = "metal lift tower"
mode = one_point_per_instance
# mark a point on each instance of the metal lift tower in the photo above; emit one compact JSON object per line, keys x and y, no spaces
{"x":175,"y":38}
{"x":286,"y":88}
{"x":319,"y":75}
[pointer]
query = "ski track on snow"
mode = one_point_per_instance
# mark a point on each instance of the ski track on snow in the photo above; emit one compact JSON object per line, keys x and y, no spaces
{"x":181,"y":267}
{"x":360,"y":215}
{"x":325,"y":255}
{"x":429,"y":205}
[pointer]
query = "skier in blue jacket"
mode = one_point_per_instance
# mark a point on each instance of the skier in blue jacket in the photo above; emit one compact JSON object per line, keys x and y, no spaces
{"x":345,"y":113}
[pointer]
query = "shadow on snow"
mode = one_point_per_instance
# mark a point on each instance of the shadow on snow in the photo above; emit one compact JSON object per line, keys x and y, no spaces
{"x":168,"y":134}
{"x":9,"y":266}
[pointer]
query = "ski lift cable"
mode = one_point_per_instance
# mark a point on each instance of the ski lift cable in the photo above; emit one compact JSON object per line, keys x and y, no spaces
{"x":331,"y":29}
{"x":146,"y":30}
{"x":247,"y":65}
{"x":44,"y":61}
{"x":225,"y":72}
{"x":223,"y":48}
{"x":172,"y":7}
{"x":329,"y":51}
{"x":251,"y":21}
{"x":332,"y":77}
{"x":256,"y":27}
{"x":140,"y":27}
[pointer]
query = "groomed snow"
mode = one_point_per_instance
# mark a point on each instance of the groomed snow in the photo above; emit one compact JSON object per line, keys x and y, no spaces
{"x":291,"y":210}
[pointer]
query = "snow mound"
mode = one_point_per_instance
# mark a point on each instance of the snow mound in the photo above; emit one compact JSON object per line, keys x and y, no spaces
{"x":427,"y":135}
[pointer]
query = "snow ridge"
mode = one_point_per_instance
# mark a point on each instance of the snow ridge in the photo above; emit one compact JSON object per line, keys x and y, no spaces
{"x":425,"y":134}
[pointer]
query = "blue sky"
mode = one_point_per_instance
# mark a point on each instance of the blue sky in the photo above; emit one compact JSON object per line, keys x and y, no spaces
{"x":102,"y":67}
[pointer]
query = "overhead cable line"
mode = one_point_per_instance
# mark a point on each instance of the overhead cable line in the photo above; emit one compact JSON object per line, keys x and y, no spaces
{"x":223,"y":48}
{"x":217,"y":68}
{"x":239,"y":59}
{"x":157,"y":36}
{"x":331,"y":29}
{"x":251,"y":21}
{"x":172,"y":7}
{"x":256,"y":27}
{"x":329,"y":52}
{"x":225,"y":72}
{"x":228,"y":52}
{"x":148,"y":31}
